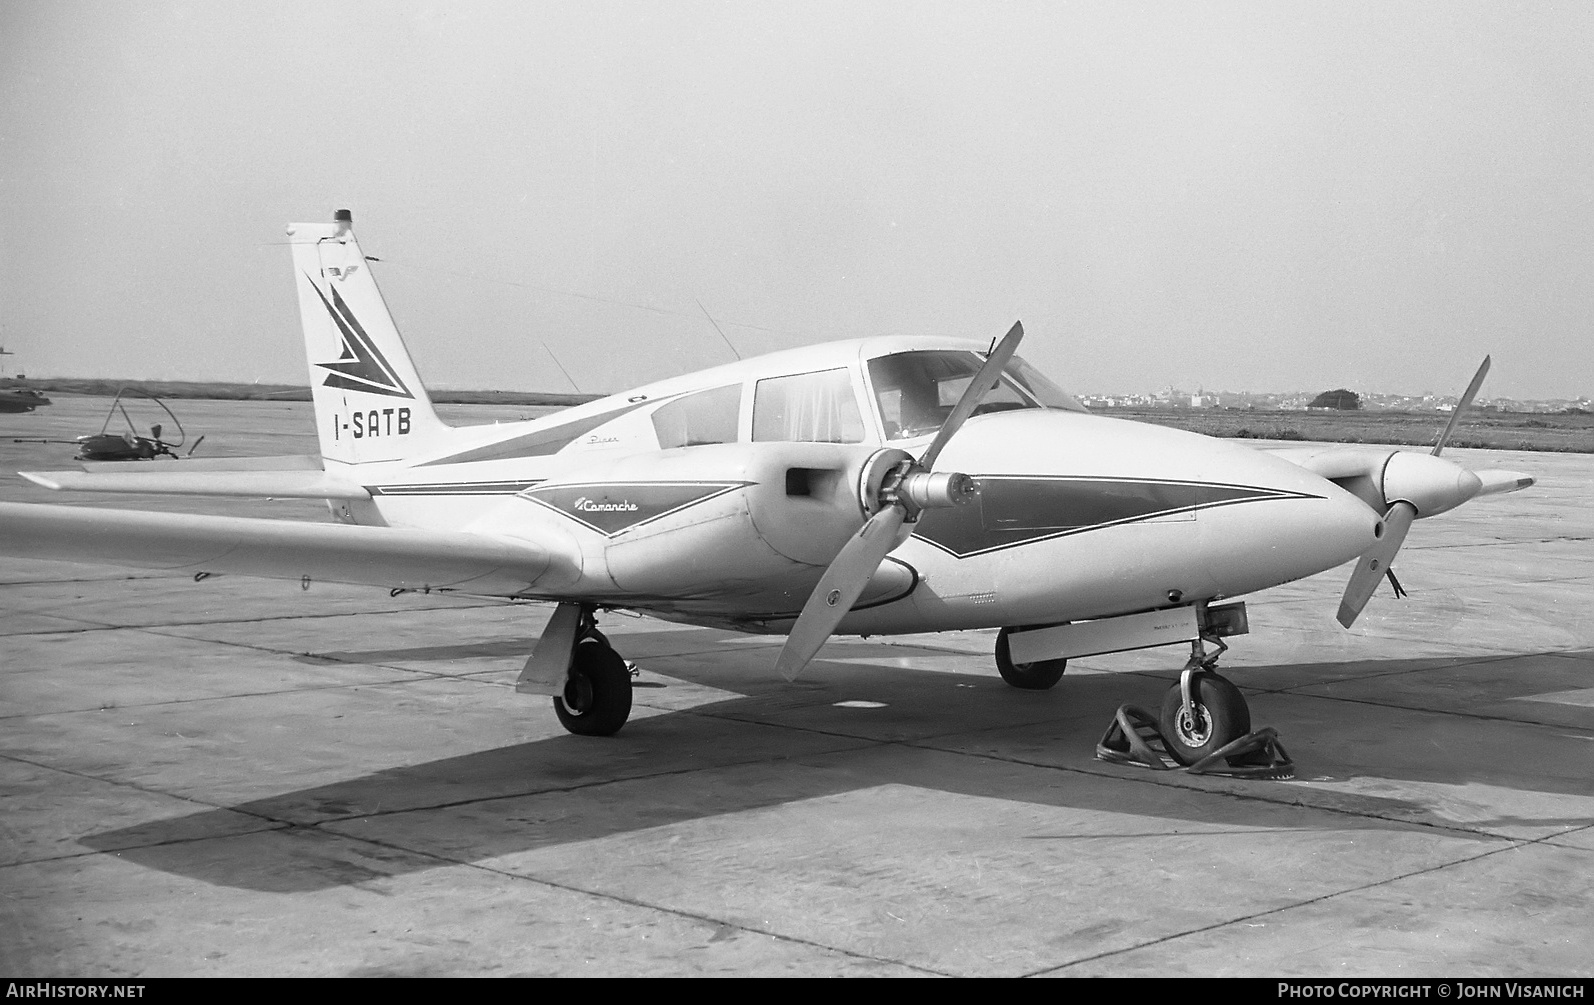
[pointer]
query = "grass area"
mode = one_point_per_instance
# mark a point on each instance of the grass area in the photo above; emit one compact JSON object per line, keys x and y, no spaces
{"x":1570,"y":433}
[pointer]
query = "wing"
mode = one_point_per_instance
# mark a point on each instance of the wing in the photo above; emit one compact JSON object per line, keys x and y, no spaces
{"x":296,"y":477}
{"x":282,"y":549}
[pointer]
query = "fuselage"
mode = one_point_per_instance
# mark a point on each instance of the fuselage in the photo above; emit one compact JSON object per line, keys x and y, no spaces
{"x":720,"y":497}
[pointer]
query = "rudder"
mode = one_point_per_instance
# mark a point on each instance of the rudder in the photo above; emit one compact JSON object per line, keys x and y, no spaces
{"x":370,"y":405}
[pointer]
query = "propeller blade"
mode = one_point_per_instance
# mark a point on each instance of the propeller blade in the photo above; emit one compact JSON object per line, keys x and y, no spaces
{"x":195,"y":446}
{"x":1461,"y":406}
{"x":839,"y":589}
{"x":983,"y":381}
{"x":1372,"y":566}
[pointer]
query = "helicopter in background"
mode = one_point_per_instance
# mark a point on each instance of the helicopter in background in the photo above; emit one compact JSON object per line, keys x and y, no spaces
{"x":21,"y":399}
{"x":106,"y":445}
{"x":14,"y":397}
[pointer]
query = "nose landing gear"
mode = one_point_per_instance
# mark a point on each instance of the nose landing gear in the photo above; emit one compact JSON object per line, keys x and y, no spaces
{"x":1204,"y":727}
{"x":1204,"y":711}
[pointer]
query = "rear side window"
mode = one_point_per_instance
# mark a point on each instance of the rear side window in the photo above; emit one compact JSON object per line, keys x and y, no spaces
{"x":817,"y":407}
{"x":699,"y":418}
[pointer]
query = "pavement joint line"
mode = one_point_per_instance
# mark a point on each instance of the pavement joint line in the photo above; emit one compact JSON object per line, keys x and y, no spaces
{"x":1093,"y":771}
{"x":547,"y":791}
{"x":1555,"y":839}
{"x":1155,"y":778}
{"x":644,"y":905}
{"x":862,"y":742}
{"x":100,"y":626}
{"x":243,"y":694}
{"x":1377,"y":674}
{"x":136,"y":787}
{"x":288,"y":825}
{"x":273,"y":651}
{"x":1466,"y":860}
{"x":1558,"y":539}
{"x":1436,"y":711}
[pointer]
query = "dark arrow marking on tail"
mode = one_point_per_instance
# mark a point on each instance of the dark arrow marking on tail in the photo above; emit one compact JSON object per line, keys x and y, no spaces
{"x":361,"y":366}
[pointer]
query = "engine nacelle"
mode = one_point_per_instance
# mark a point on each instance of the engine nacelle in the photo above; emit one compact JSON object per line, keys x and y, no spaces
{"x":1432,"y":484}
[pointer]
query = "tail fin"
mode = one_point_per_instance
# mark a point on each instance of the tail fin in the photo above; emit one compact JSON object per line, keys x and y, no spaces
{"x":369,"y":402}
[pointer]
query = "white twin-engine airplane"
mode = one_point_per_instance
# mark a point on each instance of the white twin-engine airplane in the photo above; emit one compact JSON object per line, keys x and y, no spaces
{"x":872,"y":487}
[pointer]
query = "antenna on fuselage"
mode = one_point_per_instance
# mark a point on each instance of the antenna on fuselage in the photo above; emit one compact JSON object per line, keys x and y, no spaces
{"x":561,"y":366}
{"x":718,"y":329}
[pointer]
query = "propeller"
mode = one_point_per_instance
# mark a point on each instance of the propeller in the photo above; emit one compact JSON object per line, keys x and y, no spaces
{"x":1440,"y":484}
{"x":1375,"y":562}
{"x":911,"y":487}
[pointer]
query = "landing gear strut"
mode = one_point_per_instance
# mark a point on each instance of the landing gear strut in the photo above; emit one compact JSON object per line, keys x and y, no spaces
{"x":597,"y":693}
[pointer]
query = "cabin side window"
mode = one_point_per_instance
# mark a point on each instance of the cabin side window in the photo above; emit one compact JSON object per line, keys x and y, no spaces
{"x":699,"y":418}
{"x":817,"y":407}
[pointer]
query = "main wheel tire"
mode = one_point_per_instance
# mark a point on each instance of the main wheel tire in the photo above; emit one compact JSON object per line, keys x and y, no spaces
{"x":1037,"y":676}
{"x":597,"y":698}
{"x":1221,"y":717}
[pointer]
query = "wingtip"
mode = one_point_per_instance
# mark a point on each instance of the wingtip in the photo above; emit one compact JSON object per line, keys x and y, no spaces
{"x":42,"y":479}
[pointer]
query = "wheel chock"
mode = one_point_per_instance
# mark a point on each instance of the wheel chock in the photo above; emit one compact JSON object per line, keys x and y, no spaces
{"x":1133,"y":738}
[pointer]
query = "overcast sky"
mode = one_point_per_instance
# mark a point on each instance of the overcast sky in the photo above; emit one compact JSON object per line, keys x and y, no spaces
{"x":1240,"y":196}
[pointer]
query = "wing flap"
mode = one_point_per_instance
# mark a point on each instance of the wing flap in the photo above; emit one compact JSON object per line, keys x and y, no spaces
{"x":277,"y":549}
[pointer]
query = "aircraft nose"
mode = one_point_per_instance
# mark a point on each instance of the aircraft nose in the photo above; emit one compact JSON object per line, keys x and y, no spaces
{"x":1309,"y":526}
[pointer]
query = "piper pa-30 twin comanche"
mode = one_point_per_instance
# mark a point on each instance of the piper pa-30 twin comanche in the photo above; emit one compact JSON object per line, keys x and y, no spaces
{"x":872,"y":487}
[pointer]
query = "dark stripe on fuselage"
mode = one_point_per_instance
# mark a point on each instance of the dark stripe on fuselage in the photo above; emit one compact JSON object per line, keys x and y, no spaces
{"x":452,"y":489}
{"x":1014,"y":510}
{"x":538,"y":443}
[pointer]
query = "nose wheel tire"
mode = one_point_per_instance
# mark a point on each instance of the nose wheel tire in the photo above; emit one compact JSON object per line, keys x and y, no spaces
{"x":1221,"y":717}
{"x":1038,"y":676}
{"x":597,"y":697}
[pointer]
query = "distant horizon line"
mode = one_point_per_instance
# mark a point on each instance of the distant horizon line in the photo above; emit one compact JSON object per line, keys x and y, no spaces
{"x":450,"y":394}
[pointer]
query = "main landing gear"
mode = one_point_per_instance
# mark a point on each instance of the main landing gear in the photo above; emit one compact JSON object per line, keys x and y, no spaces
{"x":597,"y":693}
{"x":1038,"y":676}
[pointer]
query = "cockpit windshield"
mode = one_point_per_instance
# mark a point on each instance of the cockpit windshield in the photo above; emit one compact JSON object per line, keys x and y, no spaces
{"x":916,"y":391}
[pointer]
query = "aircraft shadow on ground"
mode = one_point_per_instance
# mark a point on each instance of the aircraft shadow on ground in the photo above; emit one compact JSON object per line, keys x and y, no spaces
{"x":566,"y":789}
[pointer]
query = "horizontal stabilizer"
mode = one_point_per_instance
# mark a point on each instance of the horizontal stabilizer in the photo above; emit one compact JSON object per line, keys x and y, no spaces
{"x":391,"y":557}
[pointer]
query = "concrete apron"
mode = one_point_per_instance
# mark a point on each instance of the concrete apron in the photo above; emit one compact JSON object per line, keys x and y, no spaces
{"x":240,"y":777}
